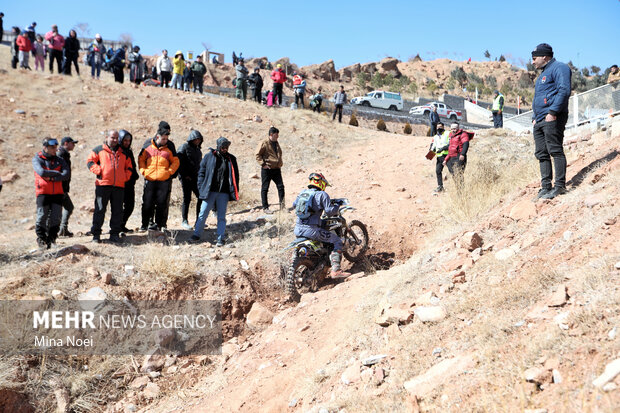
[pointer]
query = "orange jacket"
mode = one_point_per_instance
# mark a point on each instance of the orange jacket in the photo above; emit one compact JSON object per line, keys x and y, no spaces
{"x":157,"y":163}
{"x":24,"y":43}
{"x":113,"y":168}
{"x":49,"y":172}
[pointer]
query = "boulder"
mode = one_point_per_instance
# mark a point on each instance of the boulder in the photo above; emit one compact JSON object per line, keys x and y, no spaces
{"x":610,"y":373}
{"x":427,"y":299}
{"x":538,"y":375}
{"x":558,"y":298}
{"x":287,"y":66}
{"x":351,"y":374}
{"x":259,"y":316}
{"x":440,"y":373}
{"x":10,"y":177}
{"x":369,"y":68}
{"x":151,"y":391}
{"x":323,"y":71}
{"x":523,"y":210}
{"x":350,"y":72}
{"x":389,"y":65}
{"x":470,"y":241}
{"x":430,"y":314}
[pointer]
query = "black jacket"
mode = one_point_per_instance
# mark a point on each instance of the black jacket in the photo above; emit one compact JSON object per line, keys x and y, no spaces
{"x":255,"y":81}
{"x":64,"y":154}
{"x":207,"y":176}
{"x":189,"y":157}
{"x":72,"y":47}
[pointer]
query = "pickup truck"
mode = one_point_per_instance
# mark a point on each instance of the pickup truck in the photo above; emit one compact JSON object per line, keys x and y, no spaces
{"x":380,"y":99}
{"x":443,"y":110}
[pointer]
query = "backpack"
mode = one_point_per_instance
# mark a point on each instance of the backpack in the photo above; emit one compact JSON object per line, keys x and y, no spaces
{"x":304,"y":201}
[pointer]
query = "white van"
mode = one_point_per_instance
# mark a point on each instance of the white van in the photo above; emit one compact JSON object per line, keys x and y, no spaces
{"x":380,"y":99}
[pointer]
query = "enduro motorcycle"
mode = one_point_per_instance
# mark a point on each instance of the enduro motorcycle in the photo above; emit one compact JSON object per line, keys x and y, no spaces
{"x":310,"y":259}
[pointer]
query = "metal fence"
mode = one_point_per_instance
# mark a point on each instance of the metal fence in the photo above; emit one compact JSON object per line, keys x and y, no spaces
{"x":590,"y":106}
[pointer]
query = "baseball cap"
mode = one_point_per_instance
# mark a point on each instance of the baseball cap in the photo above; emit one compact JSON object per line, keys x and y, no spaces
{"x":67,"y":139}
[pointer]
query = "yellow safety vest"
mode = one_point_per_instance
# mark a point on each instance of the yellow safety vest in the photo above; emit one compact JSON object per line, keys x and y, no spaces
{"x":440,"y":141}
{"x":496,"y":105}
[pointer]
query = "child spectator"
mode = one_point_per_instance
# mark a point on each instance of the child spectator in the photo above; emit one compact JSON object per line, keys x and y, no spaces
{"x":187,"y":76}
{"x":39,"y":53}
{"x":25,"y":46}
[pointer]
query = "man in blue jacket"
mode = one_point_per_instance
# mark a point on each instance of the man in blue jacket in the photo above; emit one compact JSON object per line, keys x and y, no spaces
{"x":218,"y":183}
{"x":550,"y":109}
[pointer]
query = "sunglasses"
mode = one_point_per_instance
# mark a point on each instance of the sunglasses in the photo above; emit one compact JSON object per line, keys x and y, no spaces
{"x":52,"y":142}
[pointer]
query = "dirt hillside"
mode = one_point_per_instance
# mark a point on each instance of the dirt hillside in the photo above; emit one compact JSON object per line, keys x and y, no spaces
{"x":522,"y":315}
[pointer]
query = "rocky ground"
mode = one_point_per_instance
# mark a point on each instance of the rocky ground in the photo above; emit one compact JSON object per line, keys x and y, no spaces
{"x":481,"y":302}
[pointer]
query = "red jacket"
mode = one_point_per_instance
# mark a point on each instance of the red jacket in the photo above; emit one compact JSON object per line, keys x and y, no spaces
{"x":49,"y":172}
{"x":278,"y":76}
{"x":457,"y":140}
{"x":57,"y":42}
{"x":24,"y":43}
{"x":113,"y":168}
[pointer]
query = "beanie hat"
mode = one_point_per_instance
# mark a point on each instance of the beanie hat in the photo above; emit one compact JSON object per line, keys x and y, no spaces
{"x":163,"y":128}
{"x":222,"y":142}
{"x":542,"y":49}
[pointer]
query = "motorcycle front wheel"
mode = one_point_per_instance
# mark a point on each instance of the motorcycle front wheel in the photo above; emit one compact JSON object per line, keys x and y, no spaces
{"x":355,"y":241}
{"x":297,"y":277}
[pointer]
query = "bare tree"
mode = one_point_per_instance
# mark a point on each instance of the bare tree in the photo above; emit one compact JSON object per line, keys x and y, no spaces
{"x":83,"y":29}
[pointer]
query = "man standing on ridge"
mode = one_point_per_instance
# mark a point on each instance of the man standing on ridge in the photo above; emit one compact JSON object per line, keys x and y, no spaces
{"x":299,"y":87}
{"x":433,"y":118}
{"x":269,"y":157}
{"x":113,"y":168}
{"x":66,"y":145}
{"x":550,"y":108}
{"x":497,"y":110}
{"x":255,"y":83}
{"x":129,"y":196}
{"x":241,"y":81}
{"x":340,"y":98}
{"x":190,"y":157}
{"x":56,"y":44}
{"x":440,"y":144}
{"x":164,"y":67}
{"x":279,"y":77}
{"x":198,"y":74}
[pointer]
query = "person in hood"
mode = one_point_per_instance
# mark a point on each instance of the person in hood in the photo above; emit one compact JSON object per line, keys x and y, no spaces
{"x":67,"y":144}
{"x":118,"y":64}
{"x":157,"y":162}
{"x":456,"y":159}
{"x":164,"y":68}
{"x":56,"y":44}
{"x":113,"y":168}
{"x":72,"y":52}
{"x":49,"y":173}
{"x":136,"y":66}
{"x":218,"y":183}
{"x":255,"y":83}
{"x":96,"y":53}
{"x":178,"y":65}
{"x":129,"y":197}
{"x":190,"y":156}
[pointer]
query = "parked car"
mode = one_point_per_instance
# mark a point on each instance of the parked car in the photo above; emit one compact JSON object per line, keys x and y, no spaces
{"x":380,"y":99}
{"x":443,"y":110}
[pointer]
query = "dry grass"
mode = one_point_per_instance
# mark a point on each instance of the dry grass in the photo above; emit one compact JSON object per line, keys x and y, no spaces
{"x":163,"y":267}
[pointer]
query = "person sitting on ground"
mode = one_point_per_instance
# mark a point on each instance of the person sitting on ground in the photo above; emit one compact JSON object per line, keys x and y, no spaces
{"x":190,"y":157}
{"x":309,"y":206}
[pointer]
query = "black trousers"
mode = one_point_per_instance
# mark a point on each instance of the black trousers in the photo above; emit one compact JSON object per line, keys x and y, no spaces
{"x":457,"y":169}
{"x":190,"y":186}
{"x":433,"y":129}
{"x":277,"y":93}
{"x":198,"y":83}
{"x":55,"y":55}
{"x":129,"y":202}
{"x":68,"y":61}
{"x":317,"y":108}
{"x":299,"y":97}
{"x":266,"y":176}
{"x":439,"y":169}
{"x":119,"y":74}
{"x":155,"y":199}
{"x":114,"y":195}
{"x":257,"y":94}
{"x":67,"y":210}
{"x":338,"y":110}
{"x":165,"y":78}
{"x":548,"y":143}
{"x":498,"y":120}
{"x":49,"y":212}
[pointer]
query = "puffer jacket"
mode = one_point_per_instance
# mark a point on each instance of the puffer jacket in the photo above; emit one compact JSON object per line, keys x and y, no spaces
{"x":552,"y":90}
{"x":158,"y":163}
{"x":49,"y":173}
{"x":459,"y":143}
{"x":112,"y":167}
{"x":266,"y":156}
{"x":190,"y":157}
{"x":178,"y":65}
{"x":122,"y":134}
{"x":278,"y":76}
{"x":23,"y":42}
{"x":164,"y":64}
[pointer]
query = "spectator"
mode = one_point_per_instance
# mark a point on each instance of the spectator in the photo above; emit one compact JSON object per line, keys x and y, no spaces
{"x":56,"y":44}
{"x":316,"y":100}
{"x":15,"y":48}
{"x":24,"y":45}
{"x":614,"y":74}
{"x":136,"y":65}
{"x":340,"y":98}
{"x":129,"y":195}
{"x":187,"y":77}
{"x":67,"y":144}
{"x":433,"y":118}
{"x":218,"y":183}
{"x":177,"y":71}
{"x":1,"y":26}
{"x":234,"y":59}
{"x":456,"y":159}
{"x":31,"y":30}
{"x":255,"y":83}
{"x":164,"y":67}
{"x":112,"y":168}
{"x":199,"y":70}
{"x":96,"y":53}
{"x":49,"y":172}
{"x":279,"y":77}
{"x":39,"y":53}
{"x":157,"y":162}
{"x":497,"y":109}
{"x":72,"y":52}
{"x":299,"y":87}
{"x":550,"y":107}
{"x":118,"y":64}
{"x":242,"y":76}
{"x":269,"y":157}
{"x":190,"y":156}
{"x":439,"y":145}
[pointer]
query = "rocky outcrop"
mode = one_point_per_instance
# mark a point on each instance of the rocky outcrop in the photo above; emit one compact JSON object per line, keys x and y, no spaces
{"x":389,"y":65}
{"x":323,"y":71}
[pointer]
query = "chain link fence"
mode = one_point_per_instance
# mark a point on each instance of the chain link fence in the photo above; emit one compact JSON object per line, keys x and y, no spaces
{"x":590,"y":106}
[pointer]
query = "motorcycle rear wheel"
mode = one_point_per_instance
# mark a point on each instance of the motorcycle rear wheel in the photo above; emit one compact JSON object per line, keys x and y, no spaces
{"x":300,"y":268}
{"x":355,"y":241}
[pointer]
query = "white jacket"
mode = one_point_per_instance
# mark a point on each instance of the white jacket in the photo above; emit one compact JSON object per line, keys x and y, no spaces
{"x":164,"y":64}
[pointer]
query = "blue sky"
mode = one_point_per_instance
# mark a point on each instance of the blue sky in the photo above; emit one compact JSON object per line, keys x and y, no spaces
{"x":585,"y":32}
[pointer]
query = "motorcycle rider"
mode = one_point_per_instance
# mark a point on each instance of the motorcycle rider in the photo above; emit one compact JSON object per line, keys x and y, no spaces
{"x":309,"y":205}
